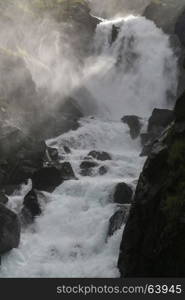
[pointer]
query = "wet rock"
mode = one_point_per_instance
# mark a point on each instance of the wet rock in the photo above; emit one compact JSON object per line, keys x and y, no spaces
{"x":134,"y":123}
{"x":49,"y":177}
{"x":31,"y":207}
{"x":87,"y":167}
{"x":66,"y":171}
{"x":103,"y":170}
{"x":122,"y":193}
{"x":99,"y":155}
{"x":169,"y":16}
{"x":159,"y":120}
{"x":115,"y":32}
{"x":154,"y":232}
{"x":3,"y":198}
{"x":67,"y":149}
{"x":179,"y":110}
{"x":21,"y":156}
{"x":118,"y":219}
{"x":51,"y":155}
{"x":9,"y":230}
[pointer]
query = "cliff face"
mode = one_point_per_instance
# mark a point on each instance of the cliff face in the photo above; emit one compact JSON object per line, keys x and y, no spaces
{"x":169,"y":16}
{"x":154,"y":237}
{"x":165,"y":13}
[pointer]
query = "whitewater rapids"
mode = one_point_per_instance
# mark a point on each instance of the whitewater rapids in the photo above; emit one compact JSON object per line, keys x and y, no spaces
{"x":132,"y":75}
{"x":70,"y":238}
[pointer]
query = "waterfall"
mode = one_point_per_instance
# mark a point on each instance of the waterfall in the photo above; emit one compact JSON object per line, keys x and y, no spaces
{"x":134,"y":73}
{"x":129,"y":74}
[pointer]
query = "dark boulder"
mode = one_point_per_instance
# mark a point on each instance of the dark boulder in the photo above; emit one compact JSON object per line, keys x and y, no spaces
{"x":21,"y":156}
{"x":118,"y":219}
{"x":67,"y":149}
{"x":123,"y":193}
{"x":9,"y":230}
{"x":66,"y":171}
{"x":115,"y":32}
{"x":49,"y":177}
{"x":31,"y":207}
{"x":134,"y":123}
{"x":87,"y":167}
{"x":51,"y":155}
{"x":99,"y":155}
{"x":103,"y":170}
{"x":3,"y":198}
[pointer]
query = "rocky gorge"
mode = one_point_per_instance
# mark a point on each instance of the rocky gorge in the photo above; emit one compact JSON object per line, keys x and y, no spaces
{"x":68,"y":170}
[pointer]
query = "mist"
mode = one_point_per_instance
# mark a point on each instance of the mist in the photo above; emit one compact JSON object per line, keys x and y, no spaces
{"x":50,"y":49}
{"x":111,"y":8}
{"x":43,"y":55}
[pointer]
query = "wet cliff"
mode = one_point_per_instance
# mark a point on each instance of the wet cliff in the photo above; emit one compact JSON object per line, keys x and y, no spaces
{"x":154,"y":237}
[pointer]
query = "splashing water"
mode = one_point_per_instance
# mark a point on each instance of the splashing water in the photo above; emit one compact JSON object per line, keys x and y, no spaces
{"x":133,"y":74}
{"x":130,"y":75}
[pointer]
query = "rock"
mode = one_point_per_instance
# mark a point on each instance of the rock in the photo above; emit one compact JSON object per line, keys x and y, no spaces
{"x":180,"y":109}
{"x":90,"y":162}
{"x":159,"y":120}
{"x":99,"y":155}
{"x":155,"y":231}
{"x":87,"y":167}
{"x":21,"y":156}
{"x":66,"y":171}
{"x":31,"y":207}
{"x":103,"y":170}
{"x":48,"y":178}
{"x":51,"y":155}
{"x":169,"y":16}
{"x":118,"y":219}
{"x":165,"y":13}
{"x":180,"y":27}
{"x":115,"y":32}
{"x":122,"y":193}
{"x":3,"y":198}
{"x":67,"y":149}
{"x":134,"y":124}
{"x":9,"y":230}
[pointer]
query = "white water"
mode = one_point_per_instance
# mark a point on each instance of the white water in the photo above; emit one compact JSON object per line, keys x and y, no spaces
{"x":70,"y":238}
{"x":134,"y":74}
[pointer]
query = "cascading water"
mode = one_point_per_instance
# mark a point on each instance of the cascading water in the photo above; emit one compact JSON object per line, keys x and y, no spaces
{"x":129,"y":75}
{"x":133,"y":74}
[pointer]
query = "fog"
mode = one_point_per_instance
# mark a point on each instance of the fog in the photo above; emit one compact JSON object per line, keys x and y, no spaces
{"x":37,"y":54}
{"x":110,"y":8}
